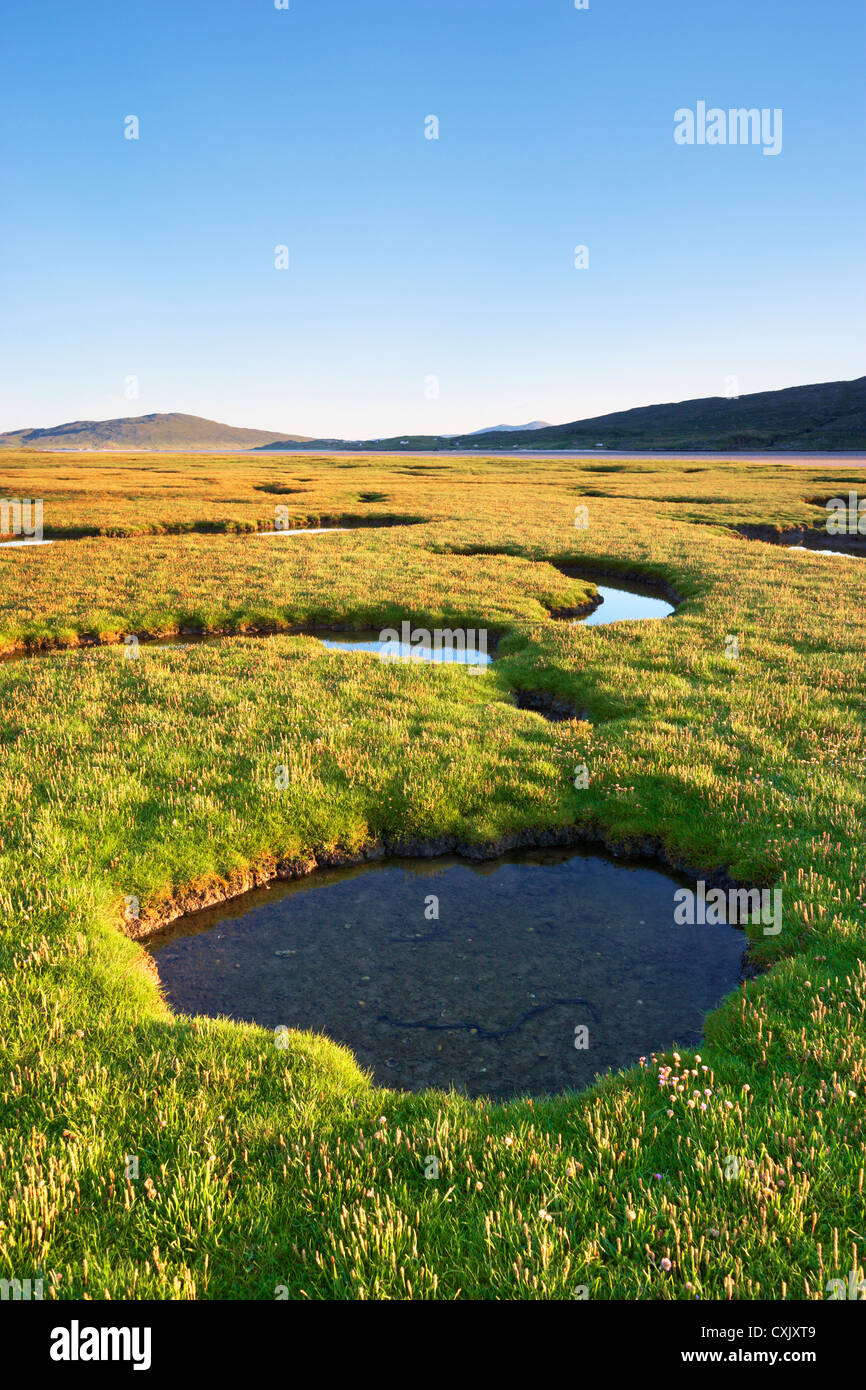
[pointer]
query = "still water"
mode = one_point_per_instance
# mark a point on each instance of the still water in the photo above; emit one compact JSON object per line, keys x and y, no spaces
{"x":618,"y":605}
{"x":475,"y":654}
{"x":488,"y":995}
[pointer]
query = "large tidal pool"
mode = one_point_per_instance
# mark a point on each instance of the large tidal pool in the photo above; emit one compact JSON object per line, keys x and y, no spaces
{"x":526,"y":974}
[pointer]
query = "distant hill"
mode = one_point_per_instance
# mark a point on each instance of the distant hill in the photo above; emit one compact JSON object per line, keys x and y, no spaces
{"x":159,"y":432}
{"x":509,"y":429}
{"x":830,"y":415}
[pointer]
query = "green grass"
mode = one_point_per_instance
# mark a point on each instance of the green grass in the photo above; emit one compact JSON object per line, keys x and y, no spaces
{"x":261,"y":1167}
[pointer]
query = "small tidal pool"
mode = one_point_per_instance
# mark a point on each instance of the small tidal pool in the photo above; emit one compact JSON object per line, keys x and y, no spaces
{"x":617,"y":605}
{"x":541,"y":969}
{"x":473,"y":654}
{"x":622,"y":604}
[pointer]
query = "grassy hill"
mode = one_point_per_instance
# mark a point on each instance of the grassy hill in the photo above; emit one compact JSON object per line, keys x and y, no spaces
{"x":829,"y":415}
{"x":171,"y":431}
{"x":826,"y":416}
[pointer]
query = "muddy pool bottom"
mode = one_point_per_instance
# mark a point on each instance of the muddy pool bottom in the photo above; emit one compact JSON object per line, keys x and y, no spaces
{"x":490,"y":996}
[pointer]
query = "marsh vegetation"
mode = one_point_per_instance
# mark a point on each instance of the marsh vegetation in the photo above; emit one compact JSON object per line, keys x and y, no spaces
{"x":153,"y":779}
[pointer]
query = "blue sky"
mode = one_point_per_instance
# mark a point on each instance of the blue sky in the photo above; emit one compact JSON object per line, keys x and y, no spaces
{"x":413,"y":259}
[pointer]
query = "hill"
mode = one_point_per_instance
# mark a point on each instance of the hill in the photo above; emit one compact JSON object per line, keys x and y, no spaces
{"x":170,"y":432}
{"x":512,"y":429}
{"x":829,"y":415}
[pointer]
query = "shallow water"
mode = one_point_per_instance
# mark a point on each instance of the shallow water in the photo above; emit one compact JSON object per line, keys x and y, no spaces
{"x":826,"y":550}
{"x":845,"y":458}
{"x":619,"y":605}
{"x":8,"y":545}
{"x":305,"y":531}
{"x":302,"y":531}
{"x":370,"y":641}
{"x":487,"y":998}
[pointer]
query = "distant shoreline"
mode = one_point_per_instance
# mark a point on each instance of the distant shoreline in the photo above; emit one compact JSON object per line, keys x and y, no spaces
{"x":846,"y":457}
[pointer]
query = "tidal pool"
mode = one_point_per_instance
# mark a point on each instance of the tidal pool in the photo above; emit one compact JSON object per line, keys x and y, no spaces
{"x":827,"y":550}
{"x":489,"y":995}
{"x":9,"y":545}
{"x":617,"y":605}
{"x":305,"y":531}
{"x":622,"y":604}
{"x":475,"y":654}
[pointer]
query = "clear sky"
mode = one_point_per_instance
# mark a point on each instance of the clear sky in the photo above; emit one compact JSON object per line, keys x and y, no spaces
{"x":412,"y":258}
